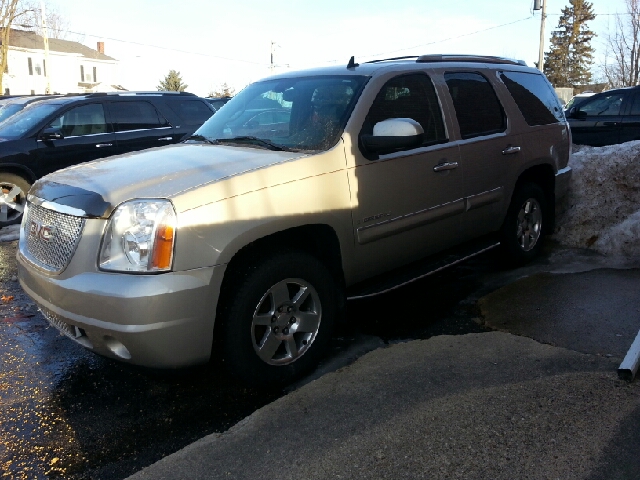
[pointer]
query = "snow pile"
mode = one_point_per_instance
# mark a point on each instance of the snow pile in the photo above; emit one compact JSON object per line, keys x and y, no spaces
{"x":602,"y":209}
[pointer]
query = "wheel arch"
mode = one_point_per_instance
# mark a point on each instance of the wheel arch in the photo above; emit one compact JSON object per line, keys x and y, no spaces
{"x":20,"y":170}
{"x":542,"y":175}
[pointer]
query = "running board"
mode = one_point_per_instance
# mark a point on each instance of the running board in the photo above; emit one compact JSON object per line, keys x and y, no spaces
{"x":411,"y":273}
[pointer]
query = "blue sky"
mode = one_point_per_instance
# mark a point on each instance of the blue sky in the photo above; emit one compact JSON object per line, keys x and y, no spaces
{"x":215,"y":42}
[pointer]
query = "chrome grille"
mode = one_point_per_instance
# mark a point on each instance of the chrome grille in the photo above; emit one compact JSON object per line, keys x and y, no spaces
{"x":51,"y":236}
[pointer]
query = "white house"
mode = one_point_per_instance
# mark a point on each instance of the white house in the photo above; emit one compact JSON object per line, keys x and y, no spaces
{"x":71,"y":67}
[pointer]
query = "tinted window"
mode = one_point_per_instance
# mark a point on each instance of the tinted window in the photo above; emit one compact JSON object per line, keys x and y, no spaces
{"x":635,"y":107}
{"x":536,"y":100}
{"x":136,"y":116}
{"x":604,"y":104}
{"x":191,"y":112}
{"x":477,"y":107}
{"x":409,"y":96}
{"x":82,"y":120}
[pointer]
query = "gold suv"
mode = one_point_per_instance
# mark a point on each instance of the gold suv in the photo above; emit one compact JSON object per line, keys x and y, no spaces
{"x":305,"y":189}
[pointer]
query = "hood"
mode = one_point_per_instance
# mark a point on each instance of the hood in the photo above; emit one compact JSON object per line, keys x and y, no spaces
{"x":99,"y":186}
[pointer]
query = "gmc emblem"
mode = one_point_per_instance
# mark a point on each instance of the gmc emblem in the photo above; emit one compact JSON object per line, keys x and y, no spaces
{"x":43,"y":232}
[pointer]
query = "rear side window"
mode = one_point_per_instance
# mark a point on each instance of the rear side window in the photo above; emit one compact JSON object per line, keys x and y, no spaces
{"x":536,"y":100}
{"x":409,"y":96}
{"x":478,"y":109}
{"x":191,"y":112}
{"x":136,"y":116}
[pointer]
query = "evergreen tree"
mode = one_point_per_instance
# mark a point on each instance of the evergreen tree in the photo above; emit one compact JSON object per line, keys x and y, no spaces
{"x":568,"y":63}
{"x":172,"y":82}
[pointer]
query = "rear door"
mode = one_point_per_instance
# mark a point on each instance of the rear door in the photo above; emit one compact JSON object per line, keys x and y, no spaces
{"x":139,"y":125}
{"x":630,"y":126}
{"x":486,"y":149}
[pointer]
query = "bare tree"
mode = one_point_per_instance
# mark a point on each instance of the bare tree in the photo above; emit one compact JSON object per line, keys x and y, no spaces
{"x":57,"y":24}
{"x":10,"y":12}
{"x":622,"y":58}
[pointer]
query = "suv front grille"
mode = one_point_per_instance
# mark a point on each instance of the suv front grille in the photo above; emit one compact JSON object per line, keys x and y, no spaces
{"x":51,"y":236}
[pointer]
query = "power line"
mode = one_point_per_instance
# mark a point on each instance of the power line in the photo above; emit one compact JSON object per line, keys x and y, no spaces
{"x":169,"y":49}
{"x":445,"y":39}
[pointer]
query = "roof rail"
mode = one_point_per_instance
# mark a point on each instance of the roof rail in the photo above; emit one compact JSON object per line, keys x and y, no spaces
{"x":127,"y":93}
{"x":469,"y":58}
{"x":392,"y":59}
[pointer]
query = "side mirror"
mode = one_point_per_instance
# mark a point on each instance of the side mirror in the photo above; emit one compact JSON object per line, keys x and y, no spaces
{"x":578,"y":114}
{"x":51,"y":134}
{"x":393,"y":135}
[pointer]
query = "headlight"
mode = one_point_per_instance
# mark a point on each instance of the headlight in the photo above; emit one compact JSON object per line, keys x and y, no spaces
{"x":139,"y":237}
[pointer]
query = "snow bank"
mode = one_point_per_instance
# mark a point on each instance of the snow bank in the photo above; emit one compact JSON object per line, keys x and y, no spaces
{"x":602,"y":209}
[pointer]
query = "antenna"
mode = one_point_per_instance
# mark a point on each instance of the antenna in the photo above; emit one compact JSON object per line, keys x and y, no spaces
{"x":352,"y":63}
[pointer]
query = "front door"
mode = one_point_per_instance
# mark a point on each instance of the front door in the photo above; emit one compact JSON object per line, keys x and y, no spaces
{"x":406,"y":205}
{"x":598,"y":121}
{"x":85,"y":136}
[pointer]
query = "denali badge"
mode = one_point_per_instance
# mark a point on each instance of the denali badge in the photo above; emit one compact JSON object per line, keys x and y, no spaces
{"x":43,"y":232}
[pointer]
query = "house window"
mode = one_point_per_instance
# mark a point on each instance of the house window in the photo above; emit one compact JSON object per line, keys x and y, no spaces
{"x":38,"y":69}
{"x":94,"y":75}
{"x":30,"y":66}
{"x":81,"y":72}
{"x":7,"y":92}
{"x":44,"y":66}
{"x":33,"y":92}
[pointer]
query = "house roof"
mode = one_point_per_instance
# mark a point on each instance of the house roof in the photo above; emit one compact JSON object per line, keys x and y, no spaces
{"x":26,"y":39}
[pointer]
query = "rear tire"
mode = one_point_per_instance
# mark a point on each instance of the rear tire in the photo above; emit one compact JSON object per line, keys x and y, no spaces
{"x":13,"y":198}
{"x":521,"y":234}
{"x":277,"y":319}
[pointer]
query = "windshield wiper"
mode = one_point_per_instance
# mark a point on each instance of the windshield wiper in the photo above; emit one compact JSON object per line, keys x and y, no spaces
{"x":202,"y":138}
{"x":261,"y":142}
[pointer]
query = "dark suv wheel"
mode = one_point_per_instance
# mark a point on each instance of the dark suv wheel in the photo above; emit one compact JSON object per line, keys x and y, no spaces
{"x":13,"y":197}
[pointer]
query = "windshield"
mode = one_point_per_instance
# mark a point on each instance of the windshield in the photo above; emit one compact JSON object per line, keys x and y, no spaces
{"x":9,"y":109}
{"x":17,"y":125}
{"x":306,"y":113}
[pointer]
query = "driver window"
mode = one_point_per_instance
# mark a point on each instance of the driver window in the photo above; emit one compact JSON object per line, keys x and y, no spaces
{"x":604,"y":105}
{"x":409,"y":96}
{"x":83,"y":120}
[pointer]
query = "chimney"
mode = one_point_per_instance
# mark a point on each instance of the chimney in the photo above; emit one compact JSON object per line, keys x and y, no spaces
{"x":101,"y":47}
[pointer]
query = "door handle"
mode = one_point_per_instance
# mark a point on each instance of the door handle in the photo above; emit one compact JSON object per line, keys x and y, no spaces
{"x":511,"y":150}
{"x":100,"y":145}
{"x":445,"y":166}
{"x":610,"y":124}
{"x":165,"y":139}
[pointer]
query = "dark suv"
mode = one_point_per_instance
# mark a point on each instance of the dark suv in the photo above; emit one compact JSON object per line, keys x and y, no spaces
{"x":56,"y":133}
{"x":607,"y":118}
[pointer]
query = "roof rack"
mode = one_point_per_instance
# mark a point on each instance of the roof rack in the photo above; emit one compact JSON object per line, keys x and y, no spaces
{"x":469,"y":58}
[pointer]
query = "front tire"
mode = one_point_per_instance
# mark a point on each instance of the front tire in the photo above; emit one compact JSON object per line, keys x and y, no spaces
{"x":278,"y":318}
{"x":521,"y":234}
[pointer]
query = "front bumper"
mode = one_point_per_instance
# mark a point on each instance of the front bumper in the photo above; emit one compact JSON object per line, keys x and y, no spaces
{"x":162,"y":321}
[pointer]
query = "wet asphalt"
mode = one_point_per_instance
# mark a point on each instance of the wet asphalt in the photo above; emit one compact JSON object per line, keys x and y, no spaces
{"x":67,"y":413}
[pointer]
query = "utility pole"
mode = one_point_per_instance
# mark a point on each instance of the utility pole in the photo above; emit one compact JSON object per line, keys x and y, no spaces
{"x":536,"y":6}
{"x":272,"y":66}
{"x":47,"y":89}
